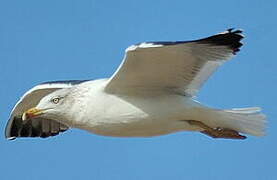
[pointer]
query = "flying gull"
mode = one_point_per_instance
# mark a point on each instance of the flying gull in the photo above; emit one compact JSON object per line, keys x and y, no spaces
{"x":150,"y":94}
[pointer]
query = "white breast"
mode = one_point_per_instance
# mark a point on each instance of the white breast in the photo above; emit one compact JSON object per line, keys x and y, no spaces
{"x":116,"y":115}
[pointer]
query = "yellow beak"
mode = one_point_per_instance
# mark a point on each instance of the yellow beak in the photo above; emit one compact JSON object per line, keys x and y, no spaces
{"x":30,"y":113}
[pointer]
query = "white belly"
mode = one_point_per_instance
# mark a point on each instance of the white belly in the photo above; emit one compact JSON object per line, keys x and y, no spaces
{"x":129,"y":116}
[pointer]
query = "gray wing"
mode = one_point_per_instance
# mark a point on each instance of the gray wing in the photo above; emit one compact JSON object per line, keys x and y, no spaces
{"x":180,"y":67}
{"x":37,"y":127}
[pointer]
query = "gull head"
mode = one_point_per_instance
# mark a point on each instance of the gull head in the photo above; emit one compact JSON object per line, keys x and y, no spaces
{"x":53,"y":106}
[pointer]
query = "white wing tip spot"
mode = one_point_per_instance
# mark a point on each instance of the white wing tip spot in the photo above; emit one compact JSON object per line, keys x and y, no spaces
{"x":239,"y":31}
{"x":143,"y":45}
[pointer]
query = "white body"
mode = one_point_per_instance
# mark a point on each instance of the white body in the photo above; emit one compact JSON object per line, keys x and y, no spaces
{"x":145,"y":114}
{"x":150,"y":94}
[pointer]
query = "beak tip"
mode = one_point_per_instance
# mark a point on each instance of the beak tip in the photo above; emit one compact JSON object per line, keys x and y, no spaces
{"x":33,"y":112}
{"x":24,"y":116}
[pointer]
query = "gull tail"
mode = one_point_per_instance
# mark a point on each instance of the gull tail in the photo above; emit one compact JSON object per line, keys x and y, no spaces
{"x":245,"y":120}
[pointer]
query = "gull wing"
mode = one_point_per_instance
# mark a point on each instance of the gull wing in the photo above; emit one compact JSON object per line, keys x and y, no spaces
{"x":37,"y":127}
{"x":176,"y":67}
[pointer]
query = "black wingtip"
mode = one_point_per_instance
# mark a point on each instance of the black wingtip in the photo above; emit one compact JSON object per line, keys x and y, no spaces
{"x":32,"y":128}
{"x":230,"y":38}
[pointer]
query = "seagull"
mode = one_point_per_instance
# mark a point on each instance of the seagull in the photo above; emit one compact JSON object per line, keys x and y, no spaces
{"x":152,"y":93}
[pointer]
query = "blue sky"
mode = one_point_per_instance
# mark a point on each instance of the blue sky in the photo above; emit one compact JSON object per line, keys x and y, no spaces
{"x":67,"y":39}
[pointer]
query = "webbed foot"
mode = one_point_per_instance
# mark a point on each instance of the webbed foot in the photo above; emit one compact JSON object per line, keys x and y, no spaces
{"x":217,"y":132}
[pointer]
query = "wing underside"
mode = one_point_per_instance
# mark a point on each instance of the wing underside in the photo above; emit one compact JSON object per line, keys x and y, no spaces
{"x":37,"y":127}
{"x":181,"y":67}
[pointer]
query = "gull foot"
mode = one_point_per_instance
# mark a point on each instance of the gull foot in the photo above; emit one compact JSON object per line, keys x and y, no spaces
{"x":217,"y":132}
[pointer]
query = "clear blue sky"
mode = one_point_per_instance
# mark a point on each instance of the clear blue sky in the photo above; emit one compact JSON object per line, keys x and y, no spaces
{"x":67,"y":39}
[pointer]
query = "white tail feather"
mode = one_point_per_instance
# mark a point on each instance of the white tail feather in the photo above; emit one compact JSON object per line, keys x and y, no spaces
{"x":246,"y":120}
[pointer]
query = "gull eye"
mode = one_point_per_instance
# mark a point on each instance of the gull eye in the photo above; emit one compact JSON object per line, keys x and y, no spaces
{"x":55,"y":100}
